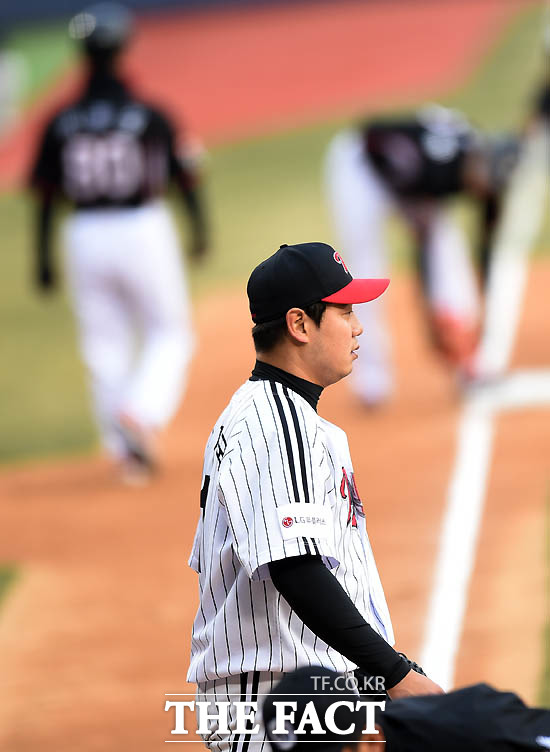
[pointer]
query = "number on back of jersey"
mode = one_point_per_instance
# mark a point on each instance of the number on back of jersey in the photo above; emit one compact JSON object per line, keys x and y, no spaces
{"x":108,"y":165}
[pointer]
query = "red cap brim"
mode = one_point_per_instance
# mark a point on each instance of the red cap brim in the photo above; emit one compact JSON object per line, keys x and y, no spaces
{"x":359,"y":291}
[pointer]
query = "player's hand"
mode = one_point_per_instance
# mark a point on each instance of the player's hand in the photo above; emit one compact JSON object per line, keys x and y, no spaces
{"x":45,"y":279}
{"x":414,"y":684}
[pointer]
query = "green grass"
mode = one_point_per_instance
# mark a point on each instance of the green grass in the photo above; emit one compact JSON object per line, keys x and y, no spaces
{"x":43,"y":398}
{"x":8,"y":575}
{"x":45,"y":50}
{"x":502,"y":90}
{"x":263,"y":192}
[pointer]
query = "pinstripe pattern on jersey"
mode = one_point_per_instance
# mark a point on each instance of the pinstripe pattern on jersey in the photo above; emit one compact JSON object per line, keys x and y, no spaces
{"x":289,"y":450}
{"x":301,"y":455}
{"x":278,"y":451}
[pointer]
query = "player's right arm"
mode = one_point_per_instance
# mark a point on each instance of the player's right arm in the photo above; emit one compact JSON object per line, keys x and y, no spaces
{"x":44,"y":181}
{"x":185,"y":170}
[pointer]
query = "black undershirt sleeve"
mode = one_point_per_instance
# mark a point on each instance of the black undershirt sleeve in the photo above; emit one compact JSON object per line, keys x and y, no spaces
{"x":308,"y":587}
{"x":490,"y":213}
{"x":43,"y":235}
{"x":187,"y":178}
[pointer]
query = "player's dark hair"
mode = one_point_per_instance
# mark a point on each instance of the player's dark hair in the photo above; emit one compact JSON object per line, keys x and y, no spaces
{"x":269,"y":334}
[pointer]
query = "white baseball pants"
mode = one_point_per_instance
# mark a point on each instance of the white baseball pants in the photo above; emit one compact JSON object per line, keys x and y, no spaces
{"x":251,"y":686}
{"x":360,"y":205}
{"x":126,"y":279}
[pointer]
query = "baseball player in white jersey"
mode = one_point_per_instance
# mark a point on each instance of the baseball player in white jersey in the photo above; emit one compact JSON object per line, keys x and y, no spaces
{"x":286,"y":572}
{"x":112,"y":156}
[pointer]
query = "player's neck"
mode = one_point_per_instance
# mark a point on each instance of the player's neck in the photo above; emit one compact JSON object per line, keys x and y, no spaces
{"x":292,"y":366}
{"x":306,"y":389}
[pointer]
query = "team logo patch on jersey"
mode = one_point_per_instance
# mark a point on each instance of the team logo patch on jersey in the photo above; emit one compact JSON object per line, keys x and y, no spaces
{"x":348,"y":490}
{"x":309,"y":520}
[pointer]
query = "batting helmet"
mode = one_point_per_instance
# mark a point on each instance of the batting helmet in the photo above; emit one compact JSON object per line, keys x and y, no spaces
{"x":102,"y":29}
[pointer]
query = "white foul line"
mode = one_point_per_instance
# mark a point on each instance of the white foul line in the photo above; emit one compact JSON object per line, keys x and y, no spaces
{"x":519,"y":223}
{"x":463,"y":514}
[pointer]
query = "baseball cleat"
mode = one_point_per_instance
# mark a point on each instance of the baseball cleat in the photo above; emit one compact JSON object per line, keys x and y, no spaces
{"x":140,"y":461}
{"x":132,"y":473}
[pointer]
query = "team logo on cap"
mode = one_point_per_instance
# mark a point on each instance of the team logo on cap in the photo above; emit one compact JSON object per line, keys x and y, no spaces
{"x":340,"y":260}
{"x":288,"y":522}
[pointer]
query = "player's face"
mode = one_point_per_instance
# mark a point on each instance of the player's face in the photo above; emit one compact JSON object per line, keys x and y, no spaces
{"x":334,"y":344}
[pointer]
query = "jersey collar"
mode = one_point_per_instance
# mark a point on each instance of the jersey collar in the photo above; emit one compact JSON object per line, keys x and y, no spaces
{"x":306,"y":389}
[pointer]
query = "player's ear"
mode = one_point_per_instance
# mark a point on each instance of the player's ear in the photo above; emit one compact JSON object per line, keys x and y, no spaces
{"x":296,"y":324}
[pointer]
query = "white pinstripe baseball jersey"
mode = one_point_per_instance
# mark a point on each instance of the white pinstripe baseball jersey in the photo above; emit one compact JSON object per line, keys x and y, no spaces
{"x":277,"y":482}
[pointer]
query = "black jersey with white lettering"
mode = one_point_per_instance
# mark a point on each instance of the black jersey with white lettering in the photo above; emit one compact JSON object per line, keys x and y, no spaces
{"x":422,"y":156}
{"x":107,"y":149}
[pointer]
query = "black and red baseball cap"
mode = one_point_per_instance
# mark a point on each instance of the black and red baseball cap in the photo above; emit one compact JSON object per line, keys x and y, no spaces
{"x":328,"y":692}
{"x":298,"y":275}
{"x":479,"y":718}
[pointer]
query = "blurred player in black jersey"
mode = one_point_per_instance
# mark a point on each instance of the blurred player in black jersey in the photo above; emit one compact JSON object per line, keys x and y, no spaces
{"x":113,"y":157}
{"x":412,"y":166}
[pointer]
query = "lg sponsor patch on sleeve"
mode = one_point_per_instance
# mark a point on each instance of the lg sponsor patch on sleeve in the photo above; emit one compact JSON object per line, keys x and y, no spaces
{"x":309,"y":520}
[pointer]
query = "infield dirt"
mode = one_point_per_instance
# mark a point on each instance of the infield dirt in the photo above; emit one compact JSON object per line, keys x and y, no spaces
{"x":97,"y":628}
